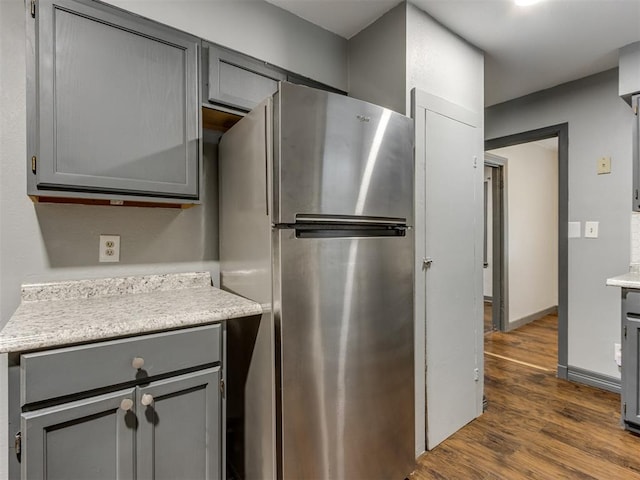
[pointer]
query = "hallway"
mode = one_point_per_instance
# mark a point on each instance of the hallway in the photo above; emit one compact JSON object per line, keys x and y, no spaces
{"x":536,"y":426}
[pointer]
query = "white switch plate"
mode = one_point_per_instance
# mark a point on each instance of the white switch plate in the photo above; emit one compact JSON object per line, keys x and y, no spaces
{"x":590,"y":229}
{"x":574,"y":229}
{"x":109,"y":248}
{"x":604,"y":165}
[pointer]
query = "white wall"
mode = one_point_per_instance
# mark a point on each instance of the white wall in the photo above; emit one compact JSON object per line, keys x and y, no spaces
{"x":256,"y":28}
{"x":599,"y":125}
{"x":532,"y":228}
{"x":51,"y":242}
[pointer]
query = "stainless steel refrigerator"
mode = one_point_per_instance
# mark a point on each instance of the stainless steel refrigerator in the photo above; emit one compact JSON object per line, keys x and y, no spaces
{"x":316,"y":209}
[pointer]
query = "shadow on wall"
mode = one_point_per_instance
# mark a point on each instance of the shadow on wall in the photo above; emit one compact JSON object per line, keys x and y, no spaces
{"x":70,"y":233}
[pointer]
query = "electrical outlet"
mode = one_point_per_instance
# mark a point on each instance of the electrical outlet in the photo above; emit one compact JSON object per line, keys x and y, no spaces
{"x":109,"y":248}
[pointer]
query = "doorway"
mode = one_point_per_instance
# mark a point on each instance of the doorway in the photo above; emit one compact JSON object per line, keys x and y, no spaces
{"x":500,"y":287}
{"x":495,"y":273}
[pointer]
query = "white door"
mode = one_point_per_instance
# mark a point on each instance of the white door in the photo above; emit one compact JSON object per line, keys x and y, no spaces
{"x":449,"y":228}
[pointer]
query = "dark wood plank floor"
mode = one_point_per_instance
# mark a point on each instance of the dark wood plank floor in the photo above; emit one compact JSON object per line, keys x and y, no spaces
{"x":488,"y":321}
{"x":536,"y":426}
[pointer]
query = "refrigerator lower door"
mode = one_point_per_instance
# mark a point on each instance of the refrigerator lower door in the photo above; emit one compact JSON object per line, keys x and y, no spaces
{"x":344,"y":317}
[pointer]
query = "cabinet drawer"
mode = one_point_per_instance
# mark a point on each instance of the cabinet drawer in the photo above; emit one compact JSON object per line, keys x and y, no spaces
{"x":630,"y":302}
{"x":64,"y":371}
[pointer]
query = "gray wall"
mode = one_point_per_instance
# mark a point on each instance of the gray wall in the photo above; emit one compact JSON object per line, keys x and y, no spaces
{"x":377,"y":61}
{"x":599,"y":125}
{"x":51,"y":242}
{"x":256,"y":28}
{"x":442,"y":63}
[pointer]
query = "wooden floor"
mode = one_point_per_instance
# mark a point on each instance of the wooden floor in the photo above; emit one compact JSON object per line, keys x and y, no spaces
{"x":488,"y":321}
{"x":536,"y":426}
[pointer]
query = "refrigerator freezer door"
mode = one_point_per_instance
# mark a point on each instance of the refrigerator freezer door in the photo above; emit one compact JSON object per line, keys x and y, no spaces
{"x":340,"y":156}
{"x":344,"y":308}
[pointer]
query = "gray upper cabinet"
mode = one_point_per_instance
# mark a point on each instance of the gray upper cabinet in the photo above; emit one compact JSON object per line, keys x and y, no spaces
{"x":113,"y":104}
{"x":635,"y":101}
{"x":238,"y":81}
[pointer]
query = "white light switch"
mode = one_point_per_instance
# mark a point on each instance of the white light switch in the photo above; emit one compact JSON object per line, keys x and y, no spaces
{"x":574,"y":229}
{"x":590,"y":229}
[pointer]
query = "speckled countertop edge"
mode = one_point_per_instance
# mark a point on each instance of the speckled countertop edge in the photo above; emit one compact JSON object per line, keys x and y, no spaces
{"x":53,"y":323}
{"x":628,"y":280}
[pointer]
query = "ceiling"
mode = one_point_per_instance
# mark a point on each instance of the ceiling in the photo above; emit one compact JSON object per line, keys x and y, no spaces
{"x":526,"y":48}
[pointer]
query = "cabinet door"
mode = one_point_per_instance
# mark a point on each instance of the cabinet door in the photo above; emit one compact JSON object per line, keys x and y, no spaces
{"x":179,"y":432}
{"x":635,"y":103}
{"x":239,"y":81}
{"x":86,"y":439}
{"x":118,"y":103}
{"x":631,"y":357}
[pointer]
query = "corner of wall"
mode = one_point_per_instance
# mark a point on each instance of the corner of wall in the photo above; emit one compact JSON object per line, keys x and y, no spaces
{"x":376,"y":61}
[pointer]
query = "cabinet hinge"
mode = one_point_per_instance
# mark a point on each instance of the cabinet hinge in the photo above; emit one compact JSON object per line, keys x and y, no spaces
{"x":625,"y":331}
{"x":636,"y":194}
{"x":222,"y":386}
{"x":635,"y":109}
{"x":34,"y":164}
{"x":33,"y":8}
{"x":18,"y":445}
{"x":624,"y":409}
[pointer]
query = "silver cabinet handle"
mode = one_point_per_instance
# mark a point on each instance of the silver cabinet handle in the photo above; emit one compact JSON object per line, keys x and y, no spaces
{"x":137,"y":363}
{"x":126,"y":404}
{"x":426,"y":262}
{"x":147,"y":399}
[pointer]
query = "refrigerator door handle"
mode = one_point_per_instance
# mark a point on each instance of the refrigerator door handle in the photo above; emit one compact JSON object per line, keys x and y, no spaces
{"x":348,"y":219}
{"x":324,"y":230}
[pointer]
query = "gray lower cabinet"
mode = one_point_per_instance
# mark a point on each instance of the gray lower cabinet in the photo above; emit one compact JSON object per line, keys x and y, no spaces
{"x":147,"y":407}
{"x":631,"y":359}
{"x":87,"y":439}
{"x":113,"y":104}
{"x":179,"y":433}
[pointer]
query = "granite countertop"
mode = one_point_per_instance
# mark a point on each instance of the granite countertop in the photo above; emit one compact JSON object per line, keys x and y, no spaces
{"x":65,"y":313}
{"x":628,"y":280}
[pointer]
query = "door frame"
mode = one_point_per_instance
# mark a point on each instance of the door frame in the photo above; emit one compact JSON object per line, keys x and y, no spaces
{"x":499,"y":250}
{"x":561,"y":131}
